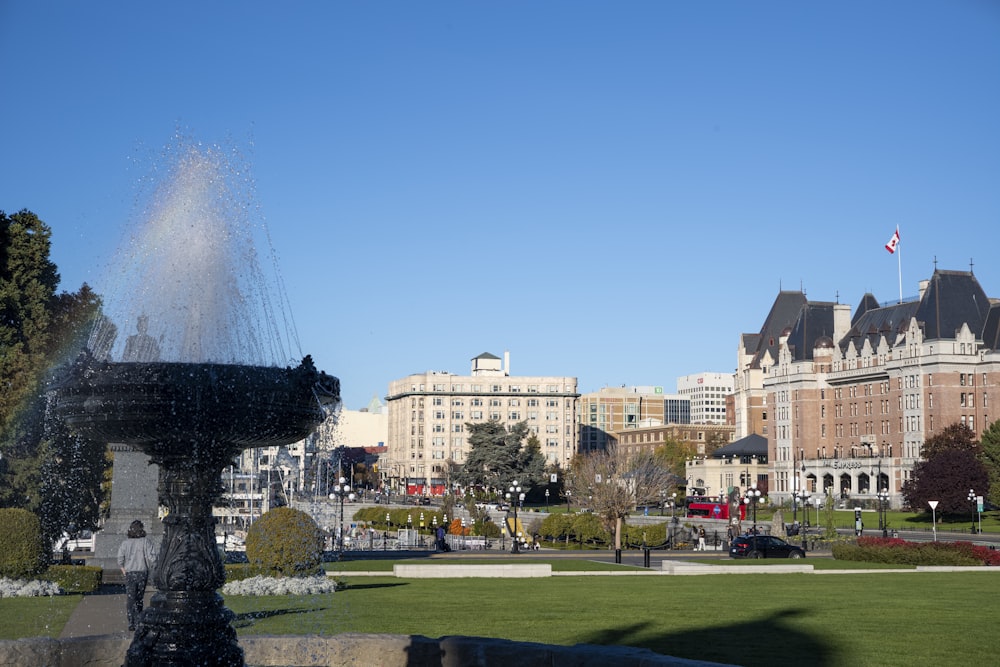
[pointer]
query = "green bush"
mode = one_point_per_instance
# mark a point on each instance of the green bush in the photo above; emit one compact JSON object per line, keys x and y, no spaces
{"x":240,"y":571}
{"x":74,"y":578}
{"x":22,"y":549}
{"x":285,"y":541}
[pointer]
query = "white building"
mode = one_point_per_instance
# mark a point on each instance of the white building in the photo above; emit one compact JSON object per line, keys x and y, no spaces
{"x":707,"y":392}
{"x":428,"y":413}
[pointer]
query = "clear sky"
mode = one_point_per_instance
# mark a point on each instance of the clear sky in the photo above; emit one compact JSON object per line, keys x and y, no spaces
{"x":609,"y":190}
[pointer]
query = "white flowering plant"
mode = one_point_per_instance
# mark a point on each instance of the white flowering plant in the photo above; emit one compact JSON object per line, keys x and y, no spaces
{"x":27,"y":588}
{"x":260,"y":585}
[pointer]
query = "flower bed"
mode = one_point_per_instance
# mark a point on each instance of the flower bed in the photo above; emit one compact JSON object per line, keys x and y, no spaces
{"x":903,"y":552}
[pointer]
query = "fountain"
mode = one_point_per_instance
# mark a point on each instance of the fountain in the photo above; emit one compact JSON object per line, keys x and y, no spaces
{"x":188,"y":398}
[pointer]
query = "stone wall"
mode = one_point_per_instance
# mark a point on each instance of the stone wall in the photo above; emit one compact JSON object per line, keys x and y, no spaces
{"x":351,"y":649}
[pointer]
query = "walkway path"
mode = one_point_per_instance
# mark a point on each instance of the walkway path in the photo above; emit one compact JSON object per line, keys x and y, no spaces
{"x":100,"y":613}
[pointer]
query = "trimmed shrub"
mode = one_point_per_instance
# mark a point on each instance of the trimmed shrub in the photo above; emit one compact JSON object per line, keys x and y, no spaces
{"x":74,"y":578}
{"x":285,"y":541}
{"x":22,"y":549}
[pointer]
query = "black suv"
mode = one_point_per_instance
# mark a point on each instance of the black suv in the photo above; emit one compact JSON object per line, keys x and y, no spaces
{"x":763,"y":546}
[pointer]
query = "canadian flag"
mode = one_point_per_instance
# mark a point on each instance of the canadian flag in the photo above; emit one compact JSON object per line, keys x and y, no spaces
{"x":893,"y":242}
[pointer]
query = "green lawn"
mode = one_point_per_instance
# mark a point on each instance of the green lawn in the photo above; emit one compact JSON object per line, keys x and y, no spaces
{"x":838,"y":619}
{"x":755,"y":619}
{"x":35,"y":617}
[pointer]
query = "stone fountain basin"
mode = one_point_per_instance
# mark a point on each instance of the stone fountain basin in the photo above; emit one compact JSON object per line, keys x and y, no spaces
{"x":162,"y":407}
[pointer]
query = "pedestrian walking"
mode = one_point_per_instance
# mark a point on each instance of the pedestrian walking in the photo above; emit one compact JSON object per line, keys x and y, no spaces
{"x":701,"y":539}
{"x":136,"y":557}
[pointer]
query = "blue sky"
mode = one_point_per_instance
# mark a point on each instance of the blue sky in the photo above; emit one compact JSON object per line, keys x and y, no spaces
{"x":659,"y":169}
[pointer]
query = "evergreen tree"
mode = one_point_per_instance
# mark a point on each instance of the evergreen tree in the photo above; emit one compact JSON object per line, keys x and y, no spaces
{"x":40,"y":329}
{"x":990,"y":456}
{"x":498,"y":456}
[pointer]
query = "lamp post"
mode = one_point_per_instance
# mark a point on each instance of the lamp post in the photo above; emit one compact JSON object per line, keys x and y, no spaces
{"x":342,"y":491}
{"x":972,"y":499}
{"x":819,"y":503}
{"x":463,"y":534}
{"x":513,"y":494}
{"x":751,"y":498}
{"x":883,"y":504}
{"x":546,"y":500}
{"x":803,"y":497}
{"x":673,"y":504}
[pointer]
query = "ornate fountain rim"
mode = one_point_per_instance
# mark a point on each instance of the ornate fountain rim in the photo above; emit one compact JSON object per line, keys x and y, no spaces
{"x":156,"y":406}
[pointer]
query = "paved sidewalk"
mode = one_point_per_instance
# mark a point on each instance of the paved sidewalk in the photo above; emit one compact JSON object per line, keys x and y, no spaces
{"x":100,"y":613}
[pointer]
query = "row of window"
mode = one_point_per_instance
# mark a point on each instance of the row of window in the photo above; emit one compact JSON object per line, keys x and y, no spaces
{"x":493,"y":388}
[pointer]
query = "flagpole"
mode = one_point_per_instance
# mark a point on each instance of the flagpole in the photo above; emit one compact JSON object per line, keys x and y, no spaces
{"x":899,"y":264}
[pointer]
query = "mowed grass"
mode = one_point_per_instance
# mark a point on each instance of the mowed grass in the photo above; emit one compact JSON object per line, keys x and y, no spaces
{"x":35,"y":617}
{"x":753,"y":619}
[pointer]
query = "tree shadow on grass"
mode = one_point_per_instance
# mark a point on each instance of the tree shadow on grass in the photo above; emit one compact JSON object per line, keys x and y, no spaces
{"x":247,"y":619}
{"x":361,"y":587}
{"x":770,"y":641}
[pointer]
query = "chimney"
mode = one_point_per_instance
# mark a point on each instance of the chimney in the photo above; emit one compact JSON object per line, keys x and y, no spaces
{"x":506,"y":362}
{"x":923,"y":287}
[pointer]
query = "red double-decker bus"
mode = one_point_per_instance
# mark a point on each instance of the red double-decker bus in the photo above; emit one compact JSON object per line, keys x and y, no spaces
{"x":711,"y":510}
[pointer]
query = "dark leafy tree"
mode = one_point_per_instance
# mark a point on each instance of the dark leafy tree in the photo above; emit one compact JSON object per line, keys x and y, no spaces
{"x":956,"y":437}
{"x":990,"y":456}
{"x":498,"y":455}
{"x":947,"y":478}
{"x":40,"y":329}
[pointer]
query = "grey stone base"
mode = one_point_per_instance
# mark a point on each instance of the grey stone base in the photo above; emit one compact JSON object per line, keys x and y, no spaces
{"x":351,"y":650}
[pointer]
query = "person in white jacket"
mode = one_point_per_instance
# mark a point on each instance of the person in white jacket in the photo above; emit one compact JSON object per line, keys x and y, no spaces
{"x":136,"y":557}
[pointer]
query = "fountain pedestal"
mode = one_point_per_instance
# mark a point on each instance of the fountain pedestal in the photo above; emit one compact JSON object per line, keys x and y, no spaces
{"x":186,"y":622}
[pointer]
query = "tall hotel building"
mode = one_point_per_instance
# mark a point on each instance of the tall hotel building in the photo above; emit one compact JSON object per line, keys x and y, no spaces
{"x":428,"y":413}
{"x":846,"y":402}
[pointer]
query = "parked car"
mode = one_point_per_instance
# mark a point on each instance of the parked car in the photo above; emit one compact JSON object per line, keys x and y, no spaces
{"x":763,"y":546}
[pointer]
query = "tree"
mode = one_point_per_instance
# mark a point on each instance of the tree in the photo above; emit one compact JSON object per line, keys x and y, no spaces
{"x":497,"y":456}
{"x":40,"y":329}
{"x":956,"y":437}
{"x":614,"y":484}
{"x":947,"y":478}
{"x":989,"y":455}
{"x":951,"y":466}
{"x":673,"y":455}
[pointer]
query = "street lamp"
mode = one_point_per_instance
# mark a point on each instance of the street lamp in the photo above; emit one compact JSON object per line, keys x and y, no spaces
{"x":819,"y":503}
{"x":513,"y":494}
{"x":933,"y":504}
{"x":546,"y":500}
{"x":972,"y":499}
{"x":463,"y":534}
{"x":803,"y":497}
{"x":883,"y":505}
{"x":751,"y":498}
{"x":342,"y":491}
